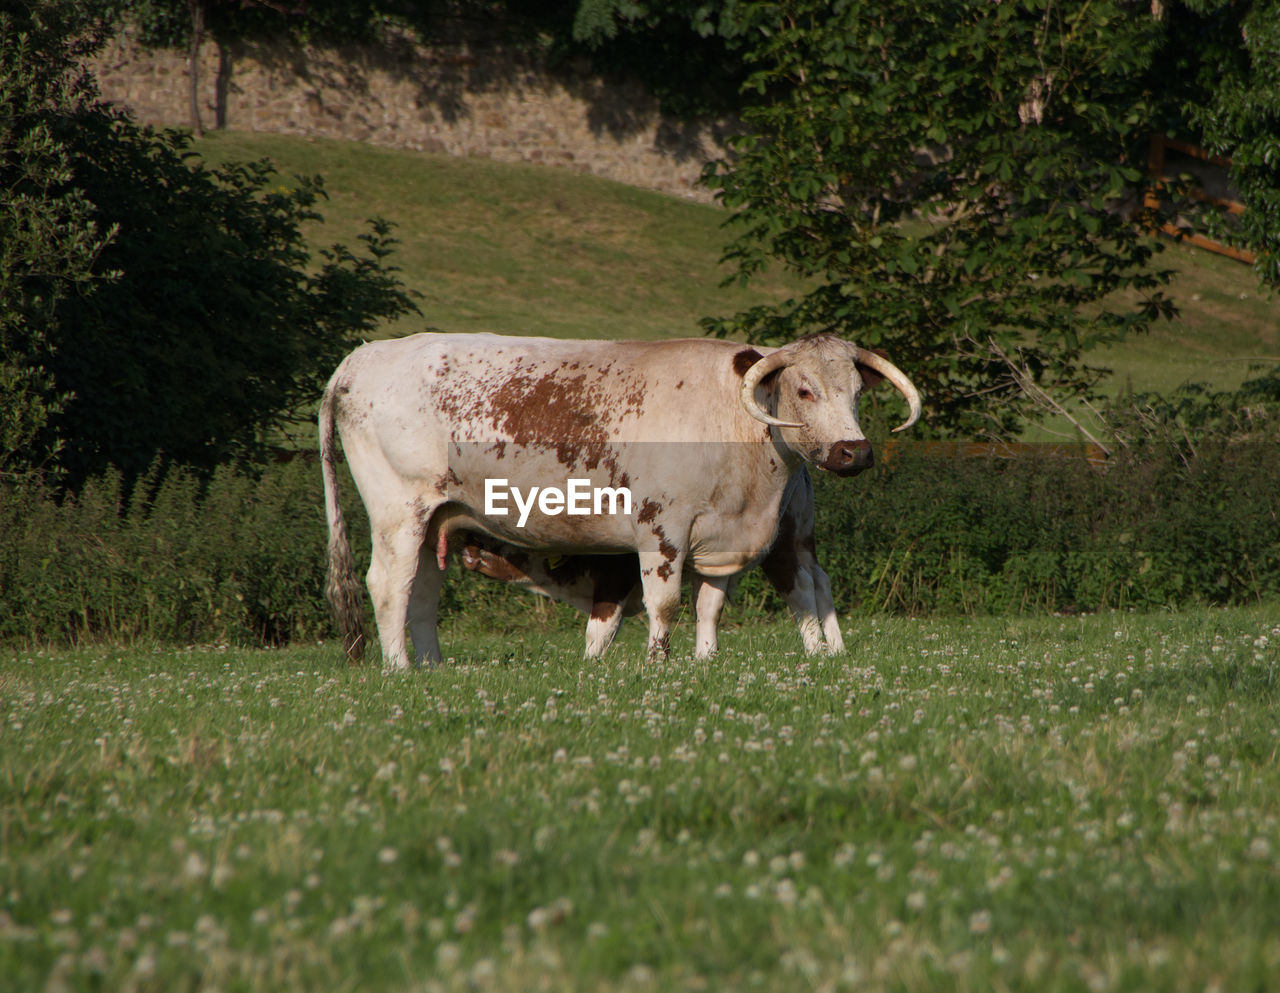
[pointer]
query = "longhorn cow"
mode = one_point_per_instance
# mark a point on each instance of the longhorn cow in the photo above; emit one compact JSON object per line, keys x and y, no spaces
{"x":703,"y":435}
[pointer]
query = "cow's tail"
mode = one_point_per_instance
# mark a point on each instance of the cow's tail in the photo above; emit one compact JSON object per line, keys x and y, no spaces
{"x":341,"y":586}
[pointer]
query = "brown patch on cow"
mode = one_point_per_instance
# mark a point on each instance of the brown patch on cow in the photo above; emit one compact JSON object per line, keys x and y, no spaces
{"x":447,"y":479}
{"x":569,"y":407}
{"x":669,"y":552}
{"x":780,"y":564}
{"x":421,"y":517}
{"x":649,"y":510}
{"x":602,"y":610}
{"x":546,"y":409}
{"x":745,"y":359}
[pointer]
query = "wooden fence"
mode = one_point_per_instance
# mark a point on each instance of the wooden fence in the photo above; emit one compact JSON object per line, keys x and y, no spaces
{"x":1156,"y":167}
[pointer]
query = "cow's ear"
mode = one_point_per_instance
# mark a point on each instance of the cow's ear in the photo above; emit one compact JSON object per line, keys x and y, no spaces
{"x":871,"y":378}
{"x":745,"y":359}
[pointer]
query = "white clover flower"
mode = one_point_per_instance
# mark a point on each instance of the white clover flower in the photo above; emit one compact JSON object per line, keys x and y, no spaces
{"x":195,"y":867}
{"x":448,"y":954}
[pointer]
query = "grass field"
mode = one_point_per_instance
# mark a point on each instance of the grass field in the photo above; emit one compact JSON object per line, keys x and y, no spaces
{"x":538,"y":250}
{"x":1085,"y":803}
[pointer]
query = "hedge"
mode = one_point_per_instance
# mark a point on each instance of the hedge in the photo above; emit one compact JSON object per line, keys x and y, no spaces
{"x":239,"y":559}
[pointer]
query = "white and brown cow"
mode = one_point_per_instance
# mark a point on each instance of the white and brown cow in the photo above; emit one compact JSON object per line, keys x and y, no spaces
{"x":704,"y":435}
{"x":607,"y":588}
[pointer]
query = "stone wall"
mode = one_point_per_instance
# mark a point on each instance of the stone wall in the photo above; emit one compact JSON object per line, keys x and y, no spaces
{"x":456,"y":100}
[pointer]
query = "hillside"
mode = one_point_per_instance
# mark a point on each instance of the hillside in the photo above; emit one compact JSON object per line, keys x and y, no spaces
{"x":540,"y":250}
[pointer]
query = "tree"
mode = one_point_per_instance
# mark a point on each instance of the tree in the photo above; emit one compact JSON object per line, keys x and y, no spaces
{"x":50,"y":242}
{"x":686,"y":55}
{"x":189,"y":320}
{"x":957,"y":182}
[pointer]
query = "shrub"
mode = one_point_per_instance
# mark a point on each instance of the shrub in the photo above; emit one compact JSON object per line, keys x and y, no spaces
{"x":150,"y":305}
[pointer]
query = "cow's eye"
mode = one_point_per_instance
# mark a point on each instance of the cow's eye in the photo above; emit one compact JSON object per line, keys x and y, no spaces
{"x":804,"y":394}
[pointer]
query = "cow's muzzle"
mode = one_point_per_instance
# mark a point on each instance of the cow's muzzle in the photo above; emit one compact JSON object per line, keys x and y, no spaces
{"x":848,"y":458}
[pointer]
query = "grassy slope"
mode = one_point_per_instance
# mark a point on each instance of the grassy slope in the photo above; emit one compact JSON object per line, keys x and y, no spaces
{"x":1225,"y":322}
{"x":539,"y":250}
{"x":519,"y":248}
{"x":1051,"y":804}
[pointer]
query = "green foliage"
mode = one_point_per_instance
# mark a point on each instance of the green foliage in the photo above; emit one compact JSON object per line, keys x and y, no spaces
{"x":231,"y":560}
{"x":50,"y":240}
{"x":925,"y":534}
{"x":221,"y":326}
{"x":957,"y":182}
{"x":1229,"y":61}
{"x":169,"y":22}
{"x":687,"y":55}
{"x":1185,"y":513}
{"x":216,"y":323}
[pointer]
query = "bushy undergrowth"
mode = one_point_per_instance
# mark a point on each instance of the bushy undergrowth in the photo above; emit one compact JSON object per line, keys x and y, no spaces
{"x":998,"y":535}
{"x":241,"y":560}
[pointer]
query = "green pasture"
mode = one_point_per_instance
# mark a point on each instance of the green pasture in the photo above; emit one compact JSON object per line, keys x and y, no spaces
{"x":1060,"y":803}
{"x":540,"y":250}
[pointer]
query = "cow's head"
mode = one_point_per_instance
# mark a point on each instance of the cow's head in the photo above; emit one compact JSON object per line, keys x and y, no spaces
{"x":812,"y":386}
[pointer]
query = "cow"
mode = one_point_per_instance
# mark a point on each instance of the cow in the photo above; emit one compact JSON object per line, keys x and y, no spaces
{"x":701,"y":435}
{"x":607,"y":588}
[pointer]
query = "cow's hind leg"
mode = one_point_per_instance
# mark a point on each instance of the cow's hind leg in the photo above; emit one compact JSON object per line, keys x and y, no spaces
{"x":602,"y":628}
{"x":709,"y":596}
{"x":804,"y":609}
{"x":391,"y":579}
{"x":616,"y":592}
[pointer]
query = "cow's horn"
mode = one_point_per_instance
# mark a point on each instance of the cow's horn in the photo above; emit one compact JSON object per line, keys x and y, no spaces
{"x":770,"y":363}
{"x":896,"y":376}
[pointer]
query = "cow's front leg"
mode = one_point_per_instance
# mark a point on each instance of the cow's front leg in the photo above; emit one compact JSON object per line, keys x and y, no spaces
{"x":709,"y":595}
{"x":789,"y":569}
{"x":827,"y":610}
{"x":660,"y":578}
